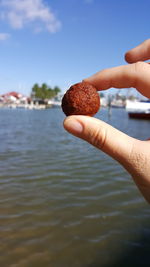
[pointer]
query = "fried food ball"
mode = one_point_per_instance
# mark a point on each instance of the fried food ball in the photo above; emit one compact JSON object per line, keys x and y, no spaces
{"x":81,"y":99}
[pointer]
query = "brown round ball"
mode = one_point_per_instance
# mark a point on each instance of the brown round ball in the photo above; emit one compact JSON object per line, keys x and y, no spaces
{"x":81,"y":99}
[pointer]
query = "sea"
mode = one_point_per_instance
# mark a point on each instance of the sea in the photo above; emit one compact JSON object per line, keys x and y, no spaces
{"x":64,"y":203}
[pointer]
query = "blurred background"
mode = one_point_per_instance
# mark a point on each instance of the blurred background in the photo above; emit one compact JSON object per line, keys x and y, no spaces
{"x":63,"y":202}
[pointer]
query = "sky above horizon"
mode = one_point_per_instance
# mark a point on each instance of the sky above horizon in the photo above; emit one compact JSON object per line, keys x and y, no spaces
{"x":62,"y":42}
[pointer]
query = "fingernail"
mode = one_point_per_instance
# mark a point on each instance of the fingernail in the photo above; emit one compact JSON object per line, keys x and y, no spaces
{"x":73,"y":126}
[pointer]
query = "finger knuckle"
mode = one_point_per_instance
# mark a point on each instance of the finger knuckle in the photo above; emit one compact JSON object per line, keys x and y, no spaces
{"x":138,"y":68}
{"x":98,"y":138}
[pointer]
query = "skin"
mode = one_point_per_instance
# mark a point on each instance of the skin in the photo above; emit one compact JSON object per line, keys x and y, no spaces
{"x":132,"y":154}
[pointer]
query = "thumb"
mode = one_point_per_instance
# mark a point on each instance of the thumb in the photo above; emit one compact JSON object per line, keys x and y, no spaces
{"x":133,"y":154}
{"x":103,"y":136}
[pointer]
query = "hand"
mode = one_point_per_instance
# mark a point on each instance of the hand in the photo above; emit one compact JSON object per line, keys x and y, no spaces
{"x":131,"y":153}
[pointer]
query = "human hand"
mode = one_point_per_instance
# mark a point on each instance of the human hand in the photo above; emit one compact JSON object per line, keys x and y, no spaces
{"x":131,"y":153}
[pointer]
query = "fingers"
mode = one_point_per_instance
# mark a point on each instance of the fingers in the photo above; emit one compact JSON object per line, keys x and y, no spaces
{"x":98,"y":133}
{"x":139,"y":53}
{"x":140,"y":170}
{"x":135,"y":75}
{"x":131,"y":153}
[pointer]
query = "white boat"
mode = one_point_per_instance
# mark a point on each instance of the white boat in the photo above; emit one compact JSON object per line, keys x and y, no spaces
{"x":138,"y":109}
{"x":54,"y":103}
{"x":117,"y":103}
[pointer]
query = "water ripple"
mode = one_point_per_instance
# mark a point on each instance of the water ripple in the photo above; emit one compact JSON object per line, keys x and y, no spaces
{"x":62,"y":202}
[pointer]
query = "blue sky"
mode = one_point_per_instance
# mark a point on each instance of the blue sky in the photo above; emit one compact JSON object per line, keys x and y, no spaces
{"x":60,"y":42}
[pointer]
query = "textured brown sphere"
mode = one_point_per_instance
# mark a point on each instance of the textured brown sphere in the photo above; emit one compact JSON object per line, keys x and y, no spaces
{"x":81,"y":99}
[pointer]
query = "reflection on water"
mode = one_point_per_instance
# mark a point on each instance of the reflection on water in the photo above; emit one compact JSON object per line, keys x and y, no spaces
{"x":63,"y":202}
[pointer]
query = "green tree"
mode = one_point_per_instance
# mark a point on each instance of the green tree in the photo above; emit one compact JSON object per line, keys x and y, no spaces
{"x":35,"y":87}
{"x":57,"y":90}
{"x":44,"y":91}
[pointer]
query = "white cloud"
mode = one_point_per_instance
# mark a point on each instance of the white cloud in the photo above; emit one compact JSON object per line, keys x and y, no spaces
{"x":19,"y":13}
{"x":4,"y":36}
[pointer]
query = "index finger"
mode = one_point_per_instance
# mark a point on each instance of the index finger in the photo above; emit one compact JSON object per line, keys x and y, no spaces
{"x":139,"y":53}
{"x":135,"y":75}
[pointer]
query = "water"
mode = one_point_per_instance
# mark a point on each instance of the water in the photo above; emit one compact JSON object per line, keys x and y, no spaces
{"x":63,"y":203}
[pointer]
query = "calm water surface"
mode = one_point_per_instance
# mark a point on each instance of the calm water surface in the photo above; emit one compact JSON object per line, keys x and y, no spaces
{"x":63,"y":203}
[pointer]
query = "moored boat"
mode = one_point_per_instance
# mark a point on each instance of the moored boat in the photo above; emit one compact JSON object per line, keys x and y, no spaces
{"x":140,"y":115}
{"x":138,"y":109}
